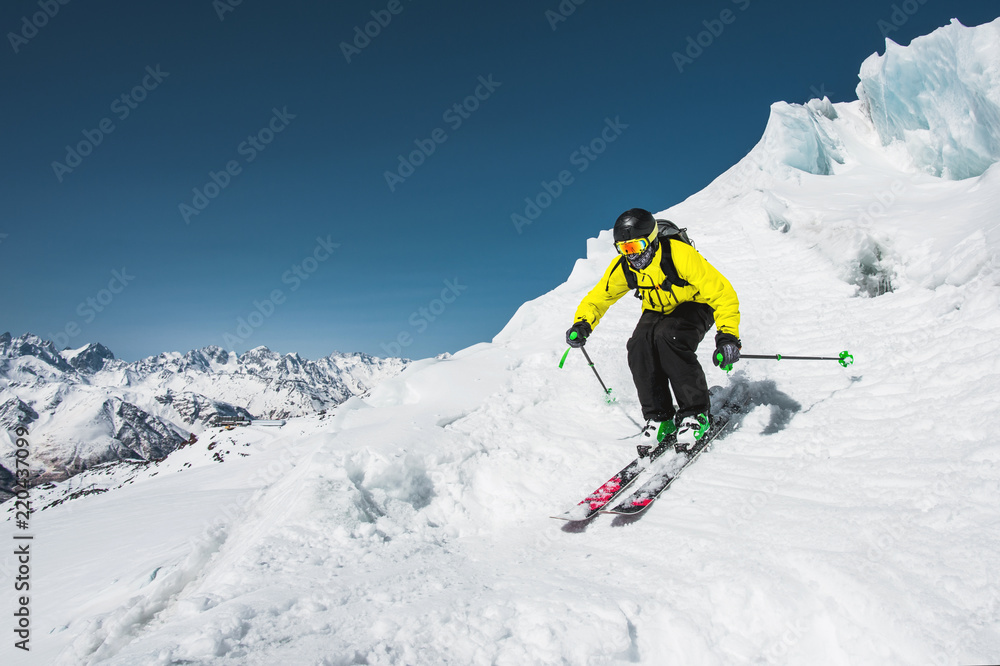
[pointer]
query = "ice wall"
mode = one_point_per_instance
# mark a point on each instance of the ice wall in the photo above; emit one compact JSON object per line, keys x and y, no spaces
{"x":799,"y":136}
{"x":939,"y":99}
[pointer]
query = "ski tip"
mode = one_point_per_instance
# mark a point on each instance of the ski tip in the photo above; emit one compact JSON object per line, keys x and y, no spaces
{"x":575,"y":515}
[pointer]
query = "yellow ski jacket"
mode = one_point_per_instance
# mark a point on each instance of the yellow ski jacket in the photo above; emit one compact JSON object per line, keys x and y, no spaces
{"x":707,"y":285}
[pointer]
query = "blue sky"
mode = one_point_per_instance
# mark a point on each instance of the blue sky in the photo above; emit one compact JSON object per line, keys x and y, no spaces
{"x":176,"y":175}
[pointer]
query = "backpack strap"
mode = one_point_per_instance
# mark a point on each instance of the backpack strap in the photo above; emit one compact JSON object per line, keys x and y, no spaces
{"x":668,"y":268}
{"x":630,"y":279}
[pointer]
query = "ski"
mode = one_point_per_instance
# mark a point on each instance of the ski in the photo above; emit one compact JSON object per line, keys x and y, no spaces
{"x":640,"y":499}
{"x":615,"y":486}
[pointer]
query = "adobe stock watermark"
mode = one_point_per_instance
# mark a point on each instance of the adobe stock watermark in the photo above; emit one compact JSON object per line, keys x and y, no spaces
{"x":223,"y":7}
{"x":885,"y":199}
{"x":30,"y":25}
{"x":821,"y":92}
{"x":421,"y":318}
{"x":454,"y":116}
{"x":122,"y":107}
{"x":900,"y":16}
{"x":790,"y":637}
{"x":227,"y":514}
{"x":294,"y":276}
{"x":90,"y":307}
{"x":364,"y":34}
{"x":581,"y":158}
{"x":248,"y":149}
{"x":886,"y":538}
{"x":23,"y":541}
{"x":562,"y":12}
{"x":698,"y":44}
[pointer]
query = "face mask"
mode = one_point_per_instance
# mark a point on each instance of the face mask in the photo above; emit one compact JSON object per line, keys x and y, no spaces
{"x":643,"y":259}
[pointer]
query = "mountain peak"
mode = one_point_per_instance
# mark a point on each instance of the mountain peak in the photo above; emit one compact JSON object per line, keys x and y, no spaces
{"x":32,"y":345}
{"x":89,"y":358}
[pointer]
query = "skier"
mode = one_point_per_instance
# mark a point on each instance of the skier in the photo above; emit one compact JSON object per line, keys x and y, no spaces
{"x":682,"y":294}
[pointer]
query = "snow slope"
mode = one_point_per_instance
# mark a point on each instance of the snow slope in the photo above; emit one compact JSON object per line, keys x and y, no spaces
{"x":851,"y":518}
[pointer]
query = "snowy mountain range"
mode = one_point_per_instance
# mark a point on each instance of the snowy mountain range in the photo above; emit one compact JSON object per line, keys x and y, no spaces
{"x":85,"y":407}
{"x":851,"y":516}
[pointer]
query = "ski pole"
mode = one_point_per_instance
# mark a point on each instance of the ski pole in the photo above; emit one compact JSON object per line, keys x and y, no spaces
{"x":610,"y":399}
{"x":607,"y":391}
{"x":845,"y":359}
{"x":591,"y":363}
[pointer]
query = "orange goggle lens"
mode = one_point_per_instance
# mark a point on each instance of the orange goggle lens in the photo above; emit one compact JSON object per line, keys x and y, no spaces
{"x":634,"y":246}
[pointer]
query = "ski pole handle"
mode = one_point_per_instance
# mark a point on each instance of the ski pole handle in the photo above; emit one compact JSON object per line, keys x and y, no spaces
{"x":719,"y":358}
{"x":572,"y":336}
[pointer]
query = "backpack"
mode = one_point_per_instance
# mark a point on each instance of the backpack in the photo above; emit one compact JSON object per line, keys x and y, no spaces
{"x":667,"y":231}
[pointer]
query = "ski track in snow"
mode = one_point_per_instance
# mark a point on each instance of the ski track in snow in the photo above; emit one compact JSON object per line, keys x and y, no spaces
{"x":851,"y":518}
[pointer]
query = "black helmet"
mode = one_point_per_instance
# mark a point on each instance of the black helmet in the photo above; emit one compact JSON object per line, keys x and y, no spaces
{"x":634,"y":223}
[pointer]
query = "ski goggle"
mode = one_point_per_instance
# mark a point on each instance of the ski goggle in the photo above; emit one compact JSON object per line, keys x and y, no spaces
{"x":633,"y":246}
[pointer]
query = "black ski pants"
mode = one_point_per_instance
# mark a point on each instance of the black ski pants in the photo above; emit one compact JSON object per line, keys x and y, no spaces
{"x":661,"y":355}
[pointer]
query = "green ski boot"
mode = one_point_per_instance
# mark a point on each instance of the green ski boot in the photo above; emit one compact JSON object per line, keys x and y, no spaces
{"x":690,"y":430}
